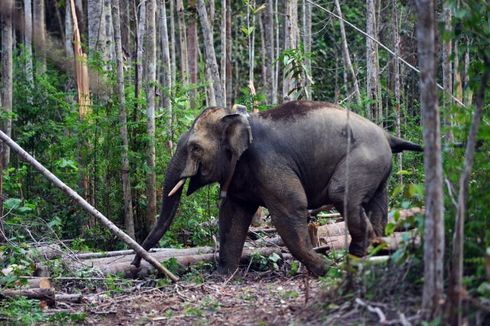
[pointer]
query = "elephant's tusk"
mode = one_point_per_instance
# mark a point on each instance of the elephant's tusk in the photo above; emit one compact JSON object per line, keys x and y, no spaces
{"x":177,"y":187}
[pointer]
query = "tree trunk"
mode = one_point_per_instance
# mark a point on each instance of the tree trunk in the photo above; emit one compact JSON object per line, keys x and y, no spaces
{"x":166,"y":62}
{"x":456,"y":287}
{"x":396,"y":72}
{"x":192,"y":49}
{"x":40,"y":34}
{"x":140,"y":47}
{"x":123,"y":127}
{"x":372,"y":63}
{"x":290,"y":42}
{"x":447,"y":71}
{"x":210,"y":54}
{"x":68,"y":32}
{"x":307,"y":46}
{"x":184,"y":61}
{"x":434,"y":207}
{"x":346,"y":58}
{"x":269,"y":48}
{"x":150,"y":81}
{"x":229,"y":74}
{"x":6,"y":14}
{"x":172,"y":42}
{"x":95,"y":23}
{"x":251,"y":41}
{"x":224,"y":48}
{"x":28,"y":42}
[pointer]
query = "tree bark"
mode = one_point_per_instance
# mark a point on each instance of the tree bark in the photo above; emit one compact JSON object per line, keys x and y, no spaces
{"x":224,"y":48}
{"x":456,"y":287}
{"x":251,"y":41}
{"x":123,"y":123}
{"x":150,"y":81}
{"x":40,"y":34}
{"x":290,"y":42}
{"x":210,"y":54}
{"x":346,"y":58}
{"x":140,"y":46}
{"x":68,"y":32}
{"x":85,"y":205}
{"x":434,"y":206}
{"x":229,"y":74}
{"x":192,"y":49}
{"x":172,"y":42}
{"x":28,"y":42}
{"x":372,"y":63}
{"x":396,"y":72}
{"x":307,"y":46}
{"x":166,"y":62}
{"x":447,"y":73}
{"x":184,"y":61}
{"x":269,"y":48}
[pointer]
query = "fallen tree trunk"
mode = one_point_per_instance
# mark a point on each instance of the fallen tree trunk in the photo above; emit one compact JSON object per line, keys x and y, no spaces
{"x":155,"y":252}
{"x":86,"y":206}
{"x":41,"y":294}
{"x":124,"y":267}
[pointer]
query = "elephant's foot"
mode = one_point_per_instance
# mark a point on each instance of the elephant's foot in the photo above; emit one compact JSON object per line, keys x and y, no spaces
{"x":319,"y":268}
{"x":227,"y":269}
{"x":358,"y":249}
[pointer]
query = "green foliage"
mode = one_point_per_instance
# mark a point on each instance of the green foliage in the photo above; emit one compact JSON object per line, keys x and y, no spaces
{"x":293,"y":62}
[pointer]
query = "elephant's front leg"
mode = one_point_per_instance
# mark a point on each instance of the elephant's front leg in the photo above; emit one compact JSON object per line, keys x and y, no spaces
{"x":234,"y":220}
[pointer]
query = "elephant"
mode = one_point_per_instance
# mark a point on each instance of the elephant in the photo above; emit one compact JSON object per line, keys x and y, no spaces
{"x":288,"y":159}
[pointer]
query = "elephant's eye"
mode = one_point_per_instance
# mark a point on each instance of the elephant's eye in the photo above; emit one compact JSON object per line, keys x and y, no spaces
{"x":196,"y":149}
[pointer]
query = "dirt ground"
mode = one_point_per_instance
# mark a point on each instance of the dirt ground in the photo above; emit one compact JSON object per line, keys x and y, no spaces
{"x":253,"y":299}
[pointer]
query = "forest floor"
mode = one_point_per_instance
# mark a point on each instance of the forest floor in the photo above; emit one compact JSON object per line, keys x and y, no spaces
{"x":257,"y":298}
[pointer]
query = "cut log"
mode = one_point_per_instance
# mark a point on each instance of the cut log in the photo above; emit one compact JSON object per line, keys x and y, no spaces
{"x":41,"y":294}
{"x":125,"y":268}
{"x":39,"y":282}
{"x":163,"y":251}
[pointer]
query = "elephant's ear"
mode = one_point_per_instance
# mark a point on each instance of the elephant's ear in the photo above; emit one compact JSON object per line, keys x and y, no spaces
{"x":237,"y":133}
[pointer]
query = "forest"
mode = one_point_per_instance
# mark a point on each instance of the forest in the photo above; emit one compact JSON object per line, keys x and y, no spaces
{"x":102,"y":100}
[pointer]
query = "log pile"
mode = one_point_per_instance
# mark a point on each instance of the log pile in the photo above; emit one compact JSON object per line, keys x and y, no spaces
{"x":262,"y":241}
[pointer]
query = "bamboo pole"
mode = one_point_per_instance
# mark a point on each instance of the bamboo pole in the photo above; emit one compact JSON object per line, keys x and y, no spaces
{"x":86,"y":206}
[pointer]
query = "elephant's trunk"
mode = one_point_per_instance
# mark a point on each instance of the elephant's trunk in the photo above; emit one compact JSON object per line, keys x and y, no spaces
{"x":169,"y":204}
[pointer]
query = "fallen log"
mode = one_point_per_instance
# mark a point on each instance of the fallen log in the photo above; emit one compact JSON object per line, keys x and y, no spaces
{"x":86,"y":206}
{"x":163,"y":251}
{"x":127,"y":270}
{"x":47,"y":295}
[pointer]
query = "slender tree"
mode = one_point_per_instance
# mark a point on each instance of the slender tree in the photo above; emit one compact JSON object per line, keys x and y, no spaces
{"x":372,"y":63}
{"x":447,"y":72}
{"x":229,"y":76}
{"x":184,"y":61}
{"x":28,"y":41}
{"x":434,"y":206}
{"x":396,"y":76}
{"x":210,"y":55}
{"x":346,"y":58}
{"x":123,"y":124}
{"x":192,"y":48}
{"x":307,"y":46}
{"x":150,"y":81}
{"x":40,"y":34}
{"x":140,"y":32}
{"x":290,"y":42}
{"x":269,"y":48}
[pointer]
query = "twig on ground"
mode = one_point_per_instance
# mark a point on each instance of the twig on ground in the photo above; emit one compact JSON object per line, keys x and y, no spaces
{"x":376,"y":310}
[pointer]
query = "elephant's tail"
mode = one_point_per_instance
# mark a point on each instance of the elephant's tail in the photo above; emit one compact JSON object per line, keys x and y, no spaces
{"x":399,"y":145}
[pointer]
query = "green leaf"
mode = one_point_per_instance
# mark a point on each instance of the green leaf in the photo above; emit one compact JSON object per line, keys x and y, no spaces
{"x":12,"y":203}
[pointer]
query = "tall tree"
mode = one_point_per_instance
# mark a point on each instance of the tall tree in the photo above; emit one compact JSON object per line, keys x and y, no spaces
{"x":307,"y":46}
{"x":6,"y":14}
{"x":372,"y":63}
{"x":140,"y":32}
{"x":228,"y":69}
{"x":447,"y":72}
{"x":166,"y":61}
{"x":210,"y":55}
{"x":396,"y":76}
{"x":184,"y":61}
{"x":269,"y":46}
{"x":192,"y":48}
{"x":123,"y":124}
{"x":40,"y":33}
{"x":434,"y":205}
{"x":224,"y":48}
{"x":150,"y":81}
{"x":346,"y":58}
{"x":28,"y":40}
{"x":290,"y":42}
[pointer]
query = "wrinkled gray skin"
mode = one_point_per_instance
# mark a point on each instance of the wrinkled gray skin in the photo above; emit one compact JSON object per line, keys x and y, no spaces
{"x":290,"y":159}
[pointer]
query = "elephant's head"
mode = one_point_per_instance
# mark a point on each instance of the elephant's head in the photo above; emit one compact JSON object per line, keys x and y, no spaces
{"x":207,"y":153}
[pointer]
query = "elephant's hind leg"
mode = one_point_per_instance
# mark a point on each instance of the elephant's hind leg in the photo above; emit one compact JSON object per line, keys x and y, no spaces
{"x":288,"y":207}
{"x":234,"y":220}
{"x":377,"y":210}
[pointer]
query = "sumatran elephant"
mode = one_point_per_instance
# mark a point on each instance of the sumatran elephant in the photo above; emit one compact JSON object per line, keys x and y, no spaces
{"x":288,"y":159}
